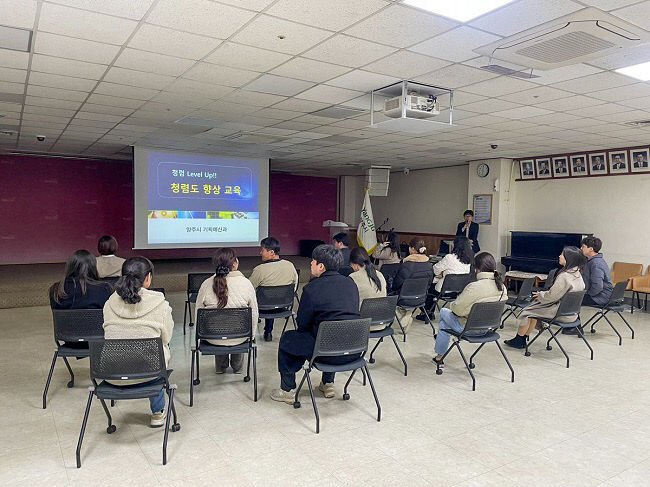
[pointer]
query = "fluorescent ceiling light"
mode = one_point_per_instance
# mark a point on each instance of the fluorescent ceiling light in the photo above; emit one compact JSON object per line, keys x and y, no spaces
{"x":638,"y":71}
{"x":461,"y":10}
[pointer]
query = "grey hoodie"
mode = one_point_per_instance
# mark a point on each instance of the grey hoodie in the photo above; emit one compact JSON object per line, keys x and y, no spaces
{"x":598,"y":281}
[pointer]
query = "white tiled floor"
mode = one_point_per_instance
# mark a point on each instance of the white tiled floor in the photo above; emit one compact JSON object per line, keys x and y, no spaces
{"x":583,"y":426}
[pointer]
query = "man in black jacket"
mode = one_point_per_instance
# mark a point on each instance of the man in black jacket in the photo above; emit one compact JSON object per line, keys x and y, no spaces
{"x":469,"y":229}
{"x":329,"y":297}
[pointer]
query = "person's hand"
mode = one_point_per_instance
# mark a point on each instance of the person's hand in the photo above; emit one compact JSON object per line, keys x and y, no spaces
{"x":535,"y":294}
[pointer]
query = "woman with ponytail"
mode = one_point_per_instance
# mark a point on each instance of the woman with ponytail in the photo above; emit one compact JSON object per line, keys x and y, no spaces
{"x":135,"y":312}
{"x":228,"y":289}
{"x":487,"y":288}
{"x":371,"y":284}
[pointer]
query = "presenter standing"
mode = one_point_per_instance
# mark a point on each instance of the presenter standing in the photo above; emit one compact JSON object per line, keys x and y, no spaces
{"x":469,"y":229}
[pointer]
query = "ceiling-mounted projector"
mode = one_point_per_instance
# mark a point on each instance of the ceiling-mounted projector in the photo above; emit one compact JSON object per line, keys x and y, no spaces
{"x":416,"y":106}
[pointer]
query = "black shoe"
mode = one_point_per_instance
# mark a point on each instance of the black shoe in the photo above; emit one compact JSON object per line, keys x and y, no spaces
{"x":570,"y":331}
{"x":268,"y":337}
{"x":421,"y":317}
{"x":517,"y":342}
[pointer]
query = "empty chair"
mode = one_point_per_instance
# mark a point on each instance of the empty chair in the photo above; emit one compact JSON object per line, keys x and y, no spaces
{"x":223,"y":324}
{"x":73,"y":326}
{"x":194,"y":281}
{"x":569,"y":306}
{"x":413,"y":294}
{"x":339,"y":339}
{"x":520,"y":301}
{"x":128,"y":359}
{"x":381,"y":312}
{"x":276,"y":302}
{"x":615,"y":304}
{"x":480,"y":327}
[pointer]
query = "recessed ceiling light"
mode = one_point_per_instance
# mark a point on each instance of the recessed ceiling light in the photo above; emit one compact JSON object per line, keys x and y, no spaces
{"x":15,"y":39}
{"x":461,"y":10}
{"x":638,"y":71}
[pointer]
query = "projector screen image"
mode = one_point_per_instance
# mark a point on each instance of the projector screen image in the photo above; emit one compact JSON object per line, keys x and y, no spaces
{"x":197,"y":200}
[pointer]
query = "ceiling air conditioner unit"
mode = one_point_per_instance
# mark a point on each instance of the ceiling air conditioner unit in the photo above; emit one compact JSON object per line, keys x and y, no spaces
{"x":416,"y":106}
{"x":377,"y":179}
{"x":587,"y":34}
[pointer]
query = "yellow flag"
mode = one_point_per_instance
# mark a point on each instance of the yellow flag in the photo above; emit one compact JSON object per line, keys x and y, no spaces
{"x":366,"y":233}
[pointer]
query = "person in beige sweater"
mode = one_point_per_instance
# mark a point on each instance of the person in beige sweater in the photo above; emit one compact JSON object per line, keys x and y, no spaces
{"x":388,"y":252}
{"x":371,"y":284}
{"x":273,"y":271}
{"x":228,"y":288}
{"x":108,"y":264}
{"x":133,"y":311}
{"x":487,"y":288}
{"x":546,"y":303}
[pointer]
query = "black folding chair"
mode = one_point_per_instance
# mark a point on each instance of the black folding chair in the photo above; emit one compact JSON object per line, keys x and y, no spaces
{"x":110,"y":280}
{"x":616,"y":304}
{"x":547,"y":283}
{"x":73,"y":325}
{"x":338,"y":339}
{"x":520,"y":301}
{"x":452,"y":286}
{"x":389,"y":271}
{"x":569,"y":306}
{"x":414,"y":295}
{"x":194,"y":281}
{"x":223,"y":324}
{"x":481,"y":326}
{"x":133,"y":358}
{"x":295,"y":291}
{"x":381,"y":311}
{"x":276,"y":302}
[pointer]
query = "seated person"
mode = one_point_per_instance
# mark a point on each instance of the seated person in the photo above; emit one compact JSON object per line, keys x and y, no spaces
{"x":228,"y":288}
{"x":273,"y":271}
{"x":371,"y":284}
{"x":342,"y":242}
{"x":328,"y":297}
{"x":388,"y":252}
{"x":80,"y":288}
{"x":108,"y":264}
{"x":487,"y":288}
{"x":469,"y":229}
{"x":546,"y":303}
{"x":133,"y":311}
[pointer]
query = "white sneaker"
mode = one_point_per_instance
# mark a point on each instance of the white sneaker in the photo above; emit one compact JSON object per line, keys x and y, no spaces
{"x":158,"y":419}
{"x":327,"y":390}
{"x":281,"y":395}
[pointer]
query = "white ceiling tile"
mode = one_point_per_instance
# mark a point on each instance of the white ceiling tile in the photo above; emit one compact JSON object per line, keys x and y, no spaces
{"x":67,"y":67}
{"x":456,"y":45}
{"x":72,"y":22}
{"x":362,"y":80}
{"x":221,"y":75}
{"x":628,"y":92}
{"x":13,"y":75}
{"x":328,"y":94}
{"x":114,"y":101}
{"x":253,"y":98}
{"x":83,"y":50}
{"x":642,"y":102}
{"x":91,"y":107}
{"x":599,"y":110}
{"x":58,"y":81}
{"x":564,"y":73}
{"x":536,"y":95}
{"x":257,"y":5}
{"x":246,"y":57}
{"x":522,"y":15}
{"x":98,"y":116}
{"x":263,"y":32}
{"x":172,"y":42}
{"x":570,"y":103}
{"x":278,"y":85}
{"x":18,"y":13}
{"x":455,"y":76}
{"x":400,"y":26}
{"x":14,"y":59}
{"x":52,"y":102}
{"x":594,"y":82}
{"x":406,"y":65}
{"x":190,"y":88}
{"x":56,"y":93}
{"x":200,"y":17}
{"x":124,"y":91}
{"x":608,"y":4}
{"x":463,"y":98}
{"x":638,"y":14}
{"x":153,"y":62}
{"x":489,"y":105}
{"x":522,"y":112}
{"x":624,"y":57}
{"x":55,"y":112}
{"x":297,"y":105}
{"x":137,"y":78}
{"x":309,"y":70}
{"x":331,"y":14}
{"x":499,"y":86}
{"x":348,"y":51}
{"x":132,"y":9}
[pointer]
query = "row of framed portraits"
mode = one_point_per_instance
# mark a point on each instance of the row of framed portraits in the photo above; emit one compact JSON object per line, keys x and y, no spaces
{"x":619,"y":161}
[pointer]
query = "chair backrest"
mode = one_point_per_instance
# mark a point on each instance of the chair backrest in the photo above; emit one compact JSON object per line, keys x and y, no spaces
{"x":110,"y":280}
{"x":549,"y":279}
{"x":625,"y":270}
{"x":570,"y":304}
{"x":389,"y":271}
{"x":414,"y":292}
{"x":454,"y":283}
{"x":224,"y":323}
{"x":380,"y":310}
{"x":78,"y":325}
{"x":195,"y":279}
{"x":338,"y":338}
{"x":526,"y":288}
{"x":618,"y":293}
{"x":485,"y":317}
{"x":132,"y":358}
{"x":274,"y":297}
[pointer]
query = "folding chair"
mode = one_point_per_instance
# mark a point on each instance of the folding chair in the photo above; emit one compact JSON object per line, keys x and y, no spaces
{"x":110,"y":280}
{"x":389,"y":271}
{"x":295,"y":291}
{"x":133,"y":358}
{"x":616,"y":304}
{"x":381,"y":311}
{"x":520,"y":301}
{"x":547,"y":283}
{"x":194,"y":281}
{"x":452,"y":286}
{"x":223,"y":324}
{"x":276,"y":302}
{"x":414,"y":295}
{"x":73,"y":325}
{"x":338,"y":339}
{"x":481,"y":326}
{"x":569,"y":306}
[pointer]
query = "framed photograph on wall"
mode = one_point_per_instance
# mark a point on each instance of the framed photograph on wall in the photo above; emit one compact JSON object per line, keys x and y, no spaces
{"x":560,"y":167}
{"x":579,"y":165}
{"x":639,"y":160}
{"x":618,"y":162}
{"x":597,"y":164}
{"x":527,"y":169}
{"x":543,"y":168}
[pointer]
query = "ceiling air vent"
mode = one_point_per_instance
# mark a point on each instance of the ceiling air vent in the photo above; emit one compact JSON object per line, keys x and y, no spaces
{"x":502,"y":70}
{"x":587,"y":34}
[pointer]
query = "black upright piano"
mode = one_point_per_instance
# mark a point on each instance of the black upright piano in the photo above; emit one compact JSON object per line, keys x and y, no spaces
{"x":538,"y":251}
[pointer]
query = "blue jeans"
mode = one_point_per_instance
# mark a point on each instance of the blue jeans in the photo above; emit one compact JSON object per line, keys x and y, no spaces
{"x":447,"y":321}
{"x":157,"y":403}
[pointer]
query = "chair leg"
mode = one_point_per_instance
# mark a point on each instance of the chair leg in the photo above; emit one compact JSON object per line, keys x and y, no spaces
{"x":584,"y":339}
{"x":184,"y":316}
{"x":429,"y":321}
{"x":371,"y":359}
{"x":313,"y":401}
{"x":471,"y":359}
{"x":67,"y":364}
{"x":400,"y":355}
{"x":346,"y":396}
{"x":189,"y":307}
{"x":363,"y":373}
{"x":554,"y":338}
{"x":108,"y":416}
{"x":620,"y":338}
{"x":584,"y":325}
{"x":529,"y":343}
{"x":296,"y":402}
{"x":593,"y":324}
{"x":399,"y":322}
{"x":255,"y":374}
{"x":469,"y":369}
{"x":505,"y":357}
{"x":626,"y":323}
{"x":170,"y":393}
{"x":112,"y":403}
{"x":192,"y":379}
{"x":247,"y":378}
{"x":83,"y":428}
{"x":374,"y":393}
{"x":49,"y":378}
{"x":508,"y":313}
